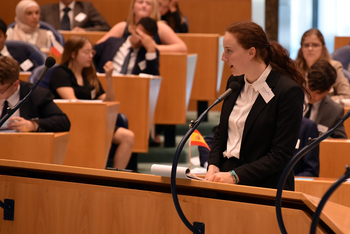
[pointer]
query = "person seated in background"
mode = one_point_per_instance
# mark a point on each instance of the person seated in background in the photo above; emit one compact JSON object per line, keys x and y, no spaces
{"x":134,"y":54}
{"x":20,"y":53}
{"x":75,"y":78}
{"x":170,"y":13}
{"x":27,"y":26}
{"x":309,"y":164}
{"x":166,"y":39}
{"x":313,"y":49}
{"x":80,"y":16}
{"x":322,"y":109}
{"x":38,"y":113}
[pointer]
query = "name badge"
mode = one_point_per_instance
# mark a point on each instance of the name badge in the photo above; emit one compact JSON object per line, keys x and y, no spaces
{"x":298,"y":144}
{"x":80,"y":17}
{"x":266,"y":92}
{"x":26,"y":65}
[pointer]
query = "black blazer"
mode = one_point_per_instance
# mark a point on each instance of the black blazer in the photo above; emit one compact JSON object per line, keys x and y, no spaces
{"x":106,"y":51}
{"x":40,"y":106}
{"x":270,"y":133}
{"x":93,"y":21}
{"x":21,"y":53}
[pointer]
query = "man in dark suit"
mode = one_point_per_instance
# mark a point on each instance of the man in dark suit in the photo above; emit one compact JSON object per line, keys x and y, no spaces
{"x":20,"y":53}
{"x":137,"y":49}
{"x":38,"y":113}
{"x":82,"y":16}
{"x":322,"y":109}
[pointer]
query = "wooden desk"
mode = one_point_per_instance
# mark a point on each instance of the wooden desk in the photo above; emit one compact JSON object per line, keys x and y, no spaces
{"x":23,"y":76}
{"x":334,"y":155}
{"x":40,"y":147}
{"x":138,"y":99}
{"x":65,"y":199}
{"x":209,"y":67}
{"x":92,"y":128}
{"x":318,"y":187}
{"x":177,"y":71}
{"x":94,"y":36}
{"x":341,"y":41}
{"x":347,"y":123}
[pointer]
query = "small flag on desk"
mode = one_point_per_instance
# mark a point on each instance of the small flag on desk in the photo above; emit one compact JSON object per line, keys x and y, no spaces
{"x":197,"y":139}
{"x":56,"y":48}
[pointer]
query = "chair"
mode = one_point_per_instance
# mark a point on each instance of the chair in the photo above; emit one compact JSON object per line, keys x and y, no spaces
{"x":342,"y":55}
{"x":58,"y":36}
{"x":21,"y":51}
{"x":46,"y":79}
{"x":347,"y":74}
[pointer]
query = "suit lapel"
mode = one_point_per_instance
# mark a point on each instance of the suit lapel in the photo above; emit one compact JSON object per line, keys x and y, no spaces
{"x":259,"y":104}
{"x":322,"y":109}
{"x":56,"y":16}
{"x":77,"y":10}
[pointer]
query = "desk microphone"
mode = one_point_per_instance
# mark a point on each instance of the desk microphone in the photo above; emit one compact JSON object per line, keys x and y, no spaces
{"x":49,"y":62}
{"x":197,"y":227}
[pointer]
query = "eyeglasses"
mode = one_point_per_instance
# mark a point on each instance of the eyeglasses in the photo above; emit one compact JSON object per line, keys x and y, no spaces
{"x":88,"y":52}
{"x":313,"y":45}
{"x":2,"y":92}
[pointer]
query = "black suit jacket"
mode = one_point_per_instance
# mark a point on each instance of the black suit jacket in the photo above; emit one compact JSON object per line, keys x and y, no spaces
{"x":106,"y":51}
{"x":309,"y":164}
{"x":40,"y":106}
{"x":21,"y":53}
{"x":270,"y":133}
{"x":94,"y":21}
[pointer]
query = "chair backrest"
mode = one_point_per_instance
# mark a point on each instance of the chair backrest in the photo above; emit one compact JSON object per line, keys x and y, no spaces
{"x":58,"y":36}
{"x":36,"y":54}
{"x":342,"y":55}
{"x":46,"y":79}
{"x":346,"y":74}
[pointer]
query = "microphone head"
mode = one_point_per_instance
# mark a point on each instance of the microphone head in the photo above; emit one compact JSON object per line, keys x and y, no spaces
{"x":50,"y":61}
{"x":234,"y":86}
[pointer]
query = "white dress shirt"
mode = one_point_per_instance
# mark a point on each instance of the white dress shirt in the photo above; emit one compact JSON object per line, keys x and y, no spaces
{"x":240,"y":112}
{"x":70,"y":13}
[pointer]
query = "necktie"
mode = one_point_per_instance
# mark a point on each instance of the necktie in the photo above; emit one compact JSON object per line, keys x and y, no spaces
{"x":4,"y":109}
{"x":65,"y":23}
{"x":307,"y":115}
{"x":126,"y":62}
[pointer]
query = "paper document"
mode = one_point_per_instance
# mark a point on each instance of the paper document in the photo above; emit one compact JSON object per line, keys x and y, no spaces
{"x":181,"y":172}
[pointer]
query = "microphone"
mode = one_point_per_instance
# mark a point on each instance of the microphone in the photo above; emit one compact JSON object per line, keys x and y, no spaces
{"x":49,"y":62}
{"x":197,"y":227}
{"x":233,"y":86}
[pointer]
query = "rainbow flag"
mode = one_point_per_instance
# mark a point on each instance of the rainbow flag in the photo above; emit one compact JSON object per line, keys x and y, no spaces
{"x":197,"y":139}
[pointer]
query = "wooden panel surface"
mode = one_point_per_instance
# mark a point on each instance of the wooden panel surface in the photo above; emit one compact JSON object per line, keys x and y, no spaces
{"x":92,"y":128}
{"x":334,"y":155}
{"x":340,"y":41}
{"x":138,"y":97}
{"x":34,"y":147}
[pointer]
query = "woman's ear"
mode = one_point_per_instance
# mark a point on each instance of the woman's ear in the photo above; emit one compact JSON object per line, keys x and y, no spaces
{"x":73,"y":54}
{"x":252,"y":52}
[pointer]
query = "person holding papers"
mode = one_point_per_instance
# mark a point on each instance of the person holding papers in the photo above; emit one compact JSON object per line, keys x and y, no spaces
{"x":76,"y":79}
{"x":259,"y":123}
{"x":38,"y":113}
{"x":27,"y":26}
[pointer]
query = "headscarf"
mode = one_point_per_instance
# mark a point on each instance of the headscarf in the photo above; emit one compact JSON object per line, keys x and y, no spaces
{"x":21,"y":27}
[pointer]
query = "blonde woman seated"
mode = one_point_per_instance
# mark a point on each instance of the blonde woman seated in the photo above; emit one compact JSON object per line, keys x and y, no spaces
{"x":313,"y":49}
{"x":76,"y":78}
{"x":27,"y":26}
{"x":164,"y":40}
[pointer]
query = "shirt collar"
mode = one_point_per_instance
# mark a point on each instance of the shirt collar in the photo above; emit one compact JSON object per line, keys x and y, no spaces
{"x":5,"y":52}
{"x":71,"y":6}
{"x":14,"y":98}
{"x":256,"y":85}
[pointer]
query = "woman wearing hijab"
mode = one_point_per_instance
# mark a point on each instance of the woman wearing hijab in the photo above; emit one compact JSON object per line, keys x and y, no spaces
{"x":27,"y":26}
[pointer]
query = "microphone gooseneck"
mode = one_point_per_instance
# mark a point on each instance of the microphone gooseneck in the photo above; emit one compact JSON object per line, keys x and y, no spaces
{"x":49,"y":62}
{"x":290,"y":166}
{"x":234,"y":86}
